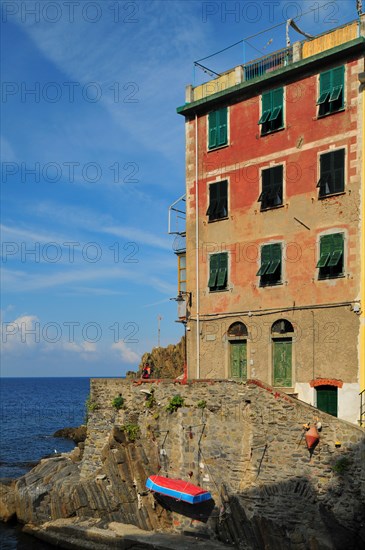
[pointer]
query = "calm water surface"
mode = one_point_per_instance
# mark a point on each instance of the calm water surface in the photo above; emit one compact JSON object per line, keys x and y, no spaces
{"x":31,"y":410}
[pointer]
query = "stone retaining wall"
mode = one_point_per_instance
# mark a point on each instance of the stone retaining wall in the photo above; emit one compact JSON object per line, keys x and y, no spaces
{"x":246,"y":447}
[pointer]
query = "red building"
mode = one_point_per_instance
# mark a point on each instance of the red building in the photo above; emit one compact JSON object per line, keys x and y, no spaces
{"x":274,"y":184}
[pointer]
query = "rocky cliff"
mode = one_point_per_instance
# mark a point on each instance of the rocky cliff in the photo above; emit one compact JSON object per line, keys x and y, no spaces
{"x":166,"y":362}
{"x":241,"y":441}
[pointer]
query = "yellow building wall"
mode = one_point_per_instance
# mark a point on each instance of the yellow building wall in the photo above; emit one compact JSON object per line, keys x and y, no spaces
{"x":362,"y":252}
{"x":330,"y":40}
{"x":227,"y":80}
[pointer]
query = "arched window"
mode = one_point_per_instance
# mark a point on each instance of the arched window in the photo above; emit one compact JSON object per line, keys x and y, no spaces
{"x":281,"y":327}
{"x":282,"y":352}
{"x":237,"y":330}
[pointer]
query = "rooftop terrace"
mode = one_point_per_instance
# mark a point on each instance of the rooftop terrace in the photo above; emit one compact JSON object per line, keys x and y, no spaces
{"x":278,"y":60}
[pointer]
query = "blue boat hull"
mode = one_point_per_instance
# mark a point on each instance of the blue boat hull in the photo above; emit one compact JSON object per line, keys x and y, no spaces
{"x":179,"y":495}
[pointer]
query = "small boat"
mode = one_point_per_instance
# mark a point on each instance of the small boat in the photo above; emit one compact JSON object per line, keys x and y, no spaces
{"x":178,"y":488}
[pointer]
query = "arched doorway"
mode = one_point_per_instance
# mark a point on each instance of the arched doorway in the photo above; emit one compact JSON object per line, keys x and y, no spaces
{"x":282,"y":353}
{"x":237,"y":338}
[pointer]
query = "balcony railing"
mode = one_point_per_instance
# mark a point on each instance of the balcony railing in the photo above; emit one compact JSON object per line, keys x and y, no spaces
{"x":177,"y":217}
{"x":267,"y":64}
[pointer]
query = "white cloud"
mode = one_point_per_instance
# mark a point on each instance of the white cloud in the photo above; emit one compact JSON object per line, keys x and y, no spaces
{"x":27,"y":337}
{"x":28,"y":235}
{"x":21,"y":281}
{"x":83,"y":218}
{"x":126,"y":354}
{"x":83,"y":347}
{"x":22,"y":332}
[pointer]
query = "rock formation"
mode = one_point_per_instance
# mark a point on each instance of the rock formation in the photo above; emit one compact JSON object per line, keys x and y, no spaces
{"x":78,"y":435}
{"x":166,"y":362}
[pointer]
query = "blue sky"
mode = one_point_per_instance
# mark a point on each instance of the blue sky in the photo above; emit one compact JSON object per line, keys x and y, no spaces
{"x":92,"y":156}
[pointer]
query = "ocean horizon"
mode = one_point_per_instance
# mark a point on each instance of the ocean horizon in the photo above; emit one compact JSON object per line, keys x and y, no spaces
{"x":31,"y":410}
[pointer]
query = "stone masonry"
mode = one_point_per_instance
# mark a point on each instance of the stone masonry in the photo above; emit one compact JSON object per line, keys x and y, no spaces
{"x":244,"y":442}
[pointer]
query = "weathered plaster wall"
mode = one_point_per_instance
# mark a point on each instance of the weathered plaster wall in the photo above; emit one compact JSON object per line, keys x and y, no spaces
{"x":298,"y":146}
{"x":325,"y":345}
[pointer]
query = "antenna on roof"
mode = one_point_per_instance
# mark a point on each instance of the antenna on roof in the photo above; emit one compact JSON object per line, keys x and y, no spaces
{"x":291,"y":23}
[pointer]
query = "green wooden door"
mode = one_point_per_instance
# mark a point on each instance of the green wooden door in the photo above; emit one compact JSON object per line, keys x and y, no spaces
{"x":327,"y":399}
{"x":282,"y":362}
{"x":238,"y":360}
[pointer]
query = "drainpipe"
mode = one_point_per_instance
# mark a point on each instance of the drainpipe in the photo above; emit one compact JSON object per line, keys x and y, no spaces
{"x":362,"y":239}
{"x":313,"y":340}
{"x":197,"y":251}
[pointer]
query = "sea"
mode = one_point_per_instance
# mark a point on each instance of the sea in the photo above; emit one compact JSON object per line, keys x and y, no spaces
{"x":31,"y":410}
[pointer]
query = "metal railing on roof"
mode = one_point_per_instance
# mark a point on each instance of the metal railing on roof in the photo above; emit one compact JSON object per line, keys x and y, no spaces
{"x":268,"y":63}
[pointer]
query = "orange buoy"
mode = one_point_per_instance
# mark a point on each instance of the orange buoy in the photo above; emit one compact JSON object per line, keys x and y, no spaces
{"x":312,"y":437}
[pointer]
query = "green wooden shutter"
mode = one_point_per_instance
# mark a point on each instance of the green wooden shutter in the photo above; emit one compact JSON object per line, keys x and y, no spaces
{"x":212,"y":128}
{"x":336,"y":249}
{"x":266,"y":102}
{"x":222,"y":126}
{"x":214,"y":266}
{"x":265,"y":260}
{"x":222,"y":270}
{"x":325,"y":250}
{"x":265,"y":107}
{"x":338,"y":75}
{"x":337,"y":84}
{"x":276,"y":103}
{"x":275,"y":258}
{"x":325,"y":84}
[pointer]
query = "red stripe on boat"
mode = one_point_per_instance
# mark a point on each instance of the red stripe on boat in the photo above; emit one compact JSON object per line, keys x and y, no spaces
{"x":177,"y":485}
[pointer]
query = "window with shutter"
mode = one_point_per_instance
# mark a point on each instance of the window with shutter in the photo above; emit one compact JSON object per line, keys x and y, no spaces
{"x":217,"y":128}
{"x":331,"y":260}
{"x":331,"y":91}
{"x":270,"y":268}
{"x":332,"y":173}
{"x":218,"y":201}
{"x":272,"y":117}
{"x":272,"y":188}
{"x":218,"y":271}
